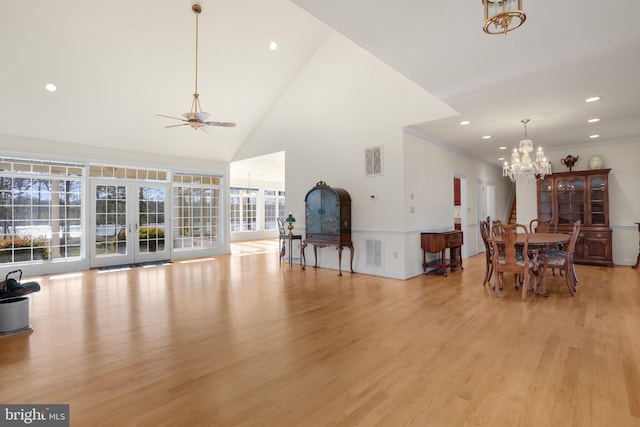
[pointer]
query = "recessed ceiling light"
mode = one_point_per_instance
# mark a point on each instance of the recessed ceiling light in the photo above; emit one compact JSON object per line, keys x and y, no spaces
{"x":486,"y":137}
{"x":502,"y":148}
{"x":501,"y":159}
{"x":50,"y":87}
{"x":592,"y":99}
{"x":465,"y":122}
{"x":594,"y":136}
{"x":273,"y":45}
{"x":594,"y":120}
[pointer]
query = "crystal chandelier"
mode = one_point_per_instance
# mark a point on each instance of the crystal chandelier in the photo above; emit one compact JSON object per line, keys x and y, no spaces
{"x":502,"y":16}
{"x":249,"y":192}
{"x":523,"y":169}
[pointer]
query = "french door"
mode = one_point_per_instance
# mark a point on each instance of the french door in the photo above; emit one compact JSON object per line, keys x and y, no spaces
{"x":128,"y":222}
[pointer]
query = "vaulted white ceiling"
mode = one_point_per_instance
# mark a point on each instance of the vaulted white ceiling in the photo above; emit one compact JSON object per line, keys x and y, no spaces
{"x":119,"y":63}
{"x":565,"y":52}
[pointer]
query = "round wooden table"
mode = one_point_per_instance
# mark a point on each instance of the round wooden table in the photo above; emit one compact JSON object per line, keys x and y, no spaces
{"x":540,"y":240}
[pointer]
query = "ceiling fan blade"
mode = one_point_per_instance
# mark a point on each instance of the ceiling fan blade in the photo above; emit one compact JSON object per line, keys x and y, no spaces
{"x":223,"y":124}
{"x":169,"y":117}
{"x":173,"y":126}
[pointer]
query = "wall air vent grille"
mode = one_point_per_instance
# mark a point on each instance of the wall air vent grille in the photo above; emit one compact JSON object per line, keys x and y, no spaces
{"x":374,"y":253}
{"x":373,"y":161}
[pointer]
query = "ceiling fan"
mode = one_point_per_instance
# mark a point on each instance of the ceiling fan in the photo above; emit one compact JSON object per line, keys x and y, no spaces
{"x":196,"y":118}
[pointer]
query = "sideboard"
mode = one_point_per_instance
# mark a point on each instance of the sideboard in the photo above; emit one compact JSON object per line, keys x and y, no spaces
{"x":438,"y":243}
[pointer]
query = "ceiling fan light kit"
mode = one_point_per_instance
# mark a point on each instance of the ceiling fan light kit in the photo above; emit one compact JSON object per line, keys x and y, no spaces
{"x":196,"y":118}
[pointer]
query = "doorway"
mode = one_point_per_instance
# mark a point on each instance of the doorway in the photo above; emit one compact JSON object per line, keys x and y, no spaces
{"x":460,"y":209}
{"x":128,"y":222}
{"x":486,"y":199}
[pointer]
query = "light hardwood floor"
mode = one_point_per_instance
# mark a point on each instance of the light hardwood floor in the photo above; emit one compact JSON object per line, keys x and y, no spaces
{"x":242,"y":340}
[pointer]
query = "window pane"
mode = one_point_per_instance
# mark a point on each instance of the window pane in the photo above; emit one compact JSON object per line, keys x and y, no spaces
{"x":40,"y":218}
{"x":196,"y":202}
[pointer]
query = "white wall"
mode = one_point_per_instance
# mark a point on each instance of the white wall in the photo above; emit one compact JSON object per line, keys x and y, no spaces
{"x":429,"y":171}
{"x":624,"y":197}
{"x":350,"y":101}
{"x":362,"y":103}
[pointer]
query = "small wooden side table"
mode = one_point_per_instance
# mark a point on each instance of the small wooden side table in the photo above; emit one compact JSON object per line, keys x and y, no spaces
{"x":290,"y":238}
{"x":438,"y":242}
{"x":638,"y":259}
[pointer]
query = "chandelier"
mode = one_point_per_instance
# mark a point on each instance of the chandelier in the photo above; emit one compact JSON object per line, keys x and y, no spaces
{"x":502,"y":16}
{"x":249,"y":192}
{"x":523,"y":169}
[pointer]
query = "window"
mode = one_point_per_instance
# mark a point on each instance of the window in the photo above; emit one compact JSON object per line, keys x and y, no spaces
{"x":40,"y":211}
{"x":243,"y":209}
{"x":196,"y":211}
{"x":273,"y":208}
{"x":127,"y":172}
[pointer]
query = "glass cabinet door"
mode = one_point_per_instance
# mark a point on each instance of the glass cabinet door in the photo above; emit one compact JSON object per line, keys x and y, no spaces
{"x":313,"y":214}
{"x":330,"y":213}
{"x":598,"y":198}
{"x":545,"y":200}
{"x":571,"y":200}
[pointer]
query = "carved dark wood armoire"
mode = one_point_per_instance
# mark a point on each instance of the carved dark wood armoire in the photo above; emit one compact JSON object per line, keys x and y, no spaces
{"x":328,"y":221}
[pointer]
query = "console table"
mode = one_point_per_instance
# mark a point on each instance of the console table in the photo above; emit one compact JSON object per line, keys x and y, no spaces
{"x":290,"y":238}
{"x":637,"y":259}
{"x":439,"y":242}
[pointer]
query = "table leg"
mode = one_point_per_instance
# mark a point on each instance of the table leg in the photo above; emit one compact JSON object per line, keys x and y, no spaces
{"x":444,"y":262}
{"x":424,"y":261}
{"x":637,"y":259}
{"x":351,"y":260}
{"x":339,"y":260}
{"x":315,"y":255}
{"x":304,"y":258}
{"x":301,"y":252}
{"x":290,"y":251}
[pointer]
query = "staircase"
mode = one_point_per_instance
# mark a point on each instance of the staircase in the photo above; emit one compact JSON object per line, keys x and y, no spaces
{"x":512,"y":215}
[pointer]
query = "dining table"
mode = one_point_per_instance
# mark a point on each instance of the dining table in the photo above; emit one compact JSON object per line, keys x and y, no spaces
{"x":541,"y":243}
{"x":540,"y":240}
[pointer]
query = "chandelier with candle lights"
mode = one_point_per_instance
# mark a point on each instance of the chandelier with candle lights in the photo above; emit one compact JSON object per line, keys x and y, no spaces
{"x":522,"y":167}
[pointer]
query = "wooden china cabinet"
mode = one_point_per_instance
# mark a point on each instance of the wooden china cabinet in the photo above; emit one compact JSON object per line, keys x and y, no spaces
{"x":566,"y":197}
{"x":327,"y":222}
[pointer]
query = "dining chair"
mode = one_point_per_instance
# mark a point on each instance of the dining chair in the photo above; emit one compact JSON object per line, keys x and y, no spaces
{"x":537,"y":225}
{"x":282,"y":237}
{"x":495,"y":221}
{"x":563,"y":260}
{"x":511,"y":256}
{"x":485,"y":233}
